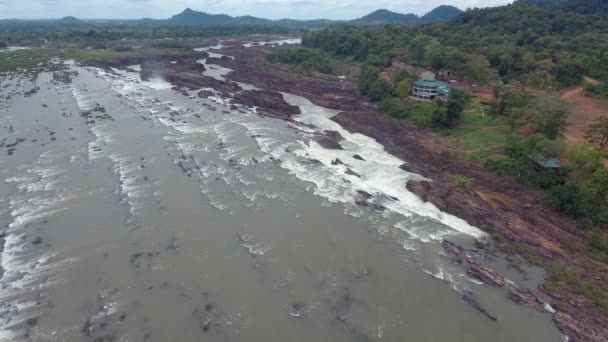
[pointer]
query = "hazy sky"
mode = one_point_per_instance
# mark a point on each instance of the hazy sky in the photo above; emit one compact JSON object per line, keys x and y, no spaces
{"x":296,"y":9}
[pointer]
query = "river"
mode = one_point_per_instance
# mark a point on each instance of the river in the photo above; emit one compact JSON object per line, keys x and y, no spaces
{"x":133,"y":213}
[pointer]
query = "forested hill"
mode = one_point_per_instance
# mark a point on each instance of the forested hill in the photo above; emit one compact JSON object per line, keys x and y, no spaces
{"x":577,"y":6}
{"x":383,"y":16}
{"x":191,"y":17}
{"x":440,"y":14}
{"x":542,"y":47}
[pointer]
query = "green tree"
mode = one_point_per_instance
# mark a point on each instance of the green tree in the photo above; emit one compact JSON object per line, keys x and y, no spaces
{"x":477,"y":69}
{"x":571,"y":200}
{"x":549,"y":116}
{"x":403,"y":89}
{"x":598,"y":186}
{"x":584,"y":161}
{"x":458,"y":99}
{"x":597,"y":132}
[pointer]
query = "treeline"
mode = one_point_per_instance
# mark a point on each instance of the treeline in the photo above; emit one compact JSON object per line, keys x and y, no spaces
{"x":536,"y":46}
{"x":305,"y":60}
{"x":39,"y":32}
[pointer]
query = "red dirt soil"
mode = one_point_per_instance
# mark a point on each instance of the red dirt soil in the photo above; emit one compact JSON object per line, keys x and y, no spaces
{"x":586,"y":110}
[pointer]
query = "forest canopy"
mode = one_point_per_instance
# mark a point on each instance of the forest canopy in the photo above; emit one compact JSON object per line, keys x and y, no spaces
{"x":541,"y":47}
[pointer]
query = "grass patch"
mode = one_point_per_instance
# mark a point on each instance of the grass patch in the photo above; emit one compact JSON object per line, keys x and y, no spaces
{"x":462,"y":181}
{"x":565,"y":278}
{"x":22,"y":59}
{"x":479,"y":132}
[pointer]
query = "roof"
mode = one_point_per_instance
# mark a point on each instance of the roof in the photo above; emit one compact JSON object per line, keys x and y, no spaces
{"x":431,"y":83}
{"x":551,"y":163}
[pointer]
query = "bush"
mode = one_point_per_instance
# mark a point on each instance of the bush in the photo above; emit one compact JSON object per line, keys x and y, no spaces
{"x":599,"y":90}
{"x":122,"y":48}
{"x":462,"y":181}
{"x":596,"y":241}
{"x":571,"y":200}
{"x":499,"y":166}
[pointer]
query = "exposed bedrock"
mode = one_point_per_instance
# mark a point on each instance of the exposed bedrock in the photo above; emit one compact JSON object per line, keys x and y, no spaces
{"x":270,"y":102}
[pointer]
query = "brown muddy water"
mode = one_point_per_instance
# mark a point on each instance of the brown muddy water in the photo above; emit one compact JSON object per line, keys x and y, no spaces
{"x":133,"y":213}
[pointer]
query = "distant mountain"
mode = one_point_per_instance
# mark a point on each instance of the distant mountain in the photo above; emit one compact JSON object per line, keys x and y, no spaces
{"x":379,"y":17}
{"x":441,"y":13}
{"x":384,"y":16}
{"x":576,"y":6}
{"x":191,"y":17}
{"x":69,"y":20}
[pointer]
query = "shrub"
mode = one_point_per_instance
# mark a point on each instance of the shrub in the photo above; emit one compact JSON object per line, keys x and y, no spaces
{"x":571,"y":200}
{"x":462,"y":181}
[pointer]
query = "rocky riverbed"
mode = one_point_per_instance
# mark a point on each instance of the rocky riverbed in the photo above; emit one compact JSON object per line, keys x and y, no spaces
{"x":200,"y":197}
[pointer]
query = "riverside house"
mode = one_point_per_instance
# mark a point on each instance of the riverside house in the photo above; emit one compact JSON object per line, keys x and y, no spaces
{"x":428,"y":88}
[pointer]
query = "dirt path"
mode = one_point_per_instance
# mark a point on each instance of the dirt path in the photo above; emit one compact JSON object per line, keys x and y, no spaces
{"x":586,"y":109}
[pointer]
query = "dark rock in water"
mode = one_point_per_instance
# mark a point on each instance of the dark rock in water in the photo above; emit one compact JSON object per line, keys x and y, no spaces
{"x":181,"y":91}
{"x":314,"y":162}
{"x":525,"y":296}
{"x":358,"y":157}
{"x":362,"y":198}
{"x":37,"y":240}
{"x":470,"y":298}
{"x":337,"y":161}
{"x":267,"y":101}
{"x":360,"y":275}
{"x":377,"y":207}
{"x":32,"y":321}
{"x":205,"y":94}
{"x":408,"y":168}
{"x":365,"y":194}
{"x":329,"y":140}
{"x":352,"y":173}
{"x":296,"y":310}
{"x":341,"y":307}
{"x":474,"y":268}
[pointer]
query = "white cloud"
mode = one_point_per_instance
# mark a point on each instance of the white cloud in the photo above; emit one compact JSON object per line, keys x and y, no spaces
{"x":296,"y":9}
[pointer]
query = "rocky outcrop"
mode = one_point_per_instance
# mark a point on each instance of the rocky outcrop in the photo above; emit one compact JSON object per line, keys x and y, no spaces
{"x":329,"y":140}
{"x":427,"y":193}
{"x":269,"y":102}
{"x":575,"y":329}
{"x":322,"y":90}
{"x":473,"y":267}
{"x":186,"y":74}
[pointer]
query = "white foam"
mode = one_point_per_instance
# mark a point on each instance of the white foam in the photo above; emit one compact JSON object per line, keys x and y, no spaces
{"x":38,"y":196}
{"x":158,"y":84}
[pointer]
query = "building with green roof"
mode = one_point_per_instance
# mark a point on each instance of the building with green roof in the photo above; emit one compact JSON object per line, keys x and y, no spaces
{"x":430,"y":89}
